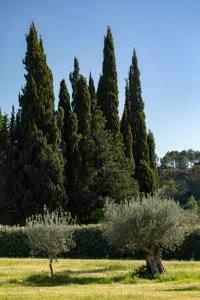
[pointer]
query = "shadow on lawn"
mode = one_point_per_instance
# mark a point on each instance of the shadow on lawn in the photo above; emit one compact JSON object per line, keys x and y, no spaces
{"x":63,"y":278}
{"x":186,"y":289}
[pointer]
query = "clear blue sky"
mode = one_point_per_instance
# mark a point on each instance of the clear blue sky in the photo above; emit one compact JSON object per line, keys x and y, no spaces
{"x":166,"y":35}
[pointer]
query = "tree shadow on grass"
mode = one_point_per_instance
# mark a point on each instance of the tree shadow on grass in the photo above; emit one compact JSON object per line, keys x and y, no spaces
{"x":63,"y":278}
{"x":91,"y":271}
{"x":184,"y":289}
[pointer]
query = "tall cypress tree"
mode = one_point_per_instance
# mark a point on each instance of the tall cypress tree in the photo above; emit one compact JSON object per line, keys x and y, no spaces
{"x":4,"y":134}
{"x":68,"y":124}
{"x":107,"y":93}
{"x":143,"y":171}
{"x":12,"y":127}
{"x":64,"y":110}
{"x":92,"y":91}
{"x":82,"y":106}
{"x":152,"y":157}
{"x":73,"y":77}
{"x":100,"y":169}
{"x":82,"y":109}
{"x":126,"y":130}
{"x":41,"y":178}
{"x":4,"y":142}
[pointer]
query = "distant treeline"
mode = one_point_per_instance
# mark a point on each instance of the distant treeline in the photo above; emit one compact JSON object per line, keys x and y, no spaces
{"x":180,"y":159}
{"x":179,"y":174}
{"x":73,"y":157}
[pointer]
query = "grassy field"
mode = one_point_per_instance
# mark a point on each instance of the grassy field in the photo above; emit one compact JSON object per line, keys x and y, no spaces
{"x":95,"y":279}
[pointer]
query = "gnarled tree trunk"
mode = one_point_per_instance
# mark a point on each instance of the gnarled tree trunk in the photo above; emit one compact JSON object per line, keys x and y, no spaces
{"x":154,"y":261}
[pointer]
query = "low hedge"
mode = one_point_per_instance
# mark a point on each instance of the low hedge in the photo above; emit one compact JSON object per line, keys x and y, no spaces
{"x":13,"y":242}
{"x":90,"y":243}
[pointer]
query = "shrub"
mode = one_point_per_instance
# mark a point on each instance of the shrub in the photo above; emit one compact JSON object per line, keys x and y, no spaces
{"x":14,"y":242}
{"x":90,"y":243}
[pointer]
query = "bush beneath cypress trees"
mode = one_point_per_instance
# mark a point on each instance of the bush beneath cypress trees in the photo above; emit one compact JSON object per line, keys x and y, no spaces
{"x":90,"y":243}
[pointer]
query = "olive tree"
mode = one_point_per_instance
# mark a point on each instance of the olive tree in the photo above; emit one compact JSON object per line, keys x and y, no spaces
{"x":151,"y":224}
{"x":50,"y":233}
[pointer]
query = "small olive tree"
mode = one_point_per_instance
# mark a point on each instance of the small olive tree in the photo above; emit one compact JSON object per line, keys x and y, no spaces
{"x":50,"y":233}
{"x":151,"y":224}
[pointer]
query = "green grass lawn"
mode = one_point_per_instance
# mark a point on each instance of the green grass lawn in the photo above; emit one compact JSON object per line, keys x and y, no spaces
{"x":95,"y":279}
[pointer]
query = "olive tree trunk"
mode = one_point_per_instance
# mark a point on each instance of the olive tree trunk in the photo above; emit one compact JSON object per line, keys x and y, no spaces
{"x":154,"y":261}
{"x":51,"y":267}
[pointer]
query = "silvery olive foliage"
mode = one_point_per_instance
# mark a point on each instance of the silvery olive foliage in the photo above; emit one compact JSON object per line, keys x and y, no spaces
{"x":50,"y":233}
{"x":147,"y":223}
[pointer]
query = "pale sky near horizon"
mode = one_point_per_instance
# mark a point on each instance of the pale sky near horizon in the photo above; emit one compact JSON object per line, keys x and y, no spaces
{"x":166,"y":35}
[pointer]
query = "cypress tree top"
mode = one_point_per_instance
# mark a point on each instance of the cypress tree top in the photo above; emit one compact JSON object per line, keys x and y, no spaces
{"x":41,"y":165}
{"x":40,"y":107}
{"x":64,"y":97}
{"x":82,"y":106}
{"x":107,"y":93}
{"x":137,"y":115}
{"x":91,"y":87}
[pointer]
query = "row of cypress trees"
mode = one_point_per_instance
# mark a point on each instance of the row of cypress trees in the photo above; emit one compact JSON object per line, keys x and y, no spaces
{"x":75,"y":157}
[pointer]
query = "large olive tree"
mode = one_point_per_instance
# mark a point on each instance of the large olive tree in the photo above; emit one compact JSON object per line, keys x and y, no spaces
{"x":151,"y":224}
{"x":50,"y":233}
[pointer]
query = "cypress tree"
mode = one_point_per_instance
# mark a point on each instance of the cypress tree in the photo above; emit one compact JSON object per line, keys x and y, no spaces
{"x":73,"y":77}
{"x":64,"y":110}
{"x":126,"y":131}
{"x":82,"y":106}
{"x":70,"y":138}
{"x":8,"y":167}
{"x":73,"y":165}
{"x":41,"y":178}
{"x":82,"y":109}
{"x":107,"y":93}
{"x":4,"y":133}
{"x":12,"y":127}
{"x":143,"y":172}
{"x":100,"y":170}
{"x":91,"y":87}
{"x":112,"y":176}
{"x":152,"y":157}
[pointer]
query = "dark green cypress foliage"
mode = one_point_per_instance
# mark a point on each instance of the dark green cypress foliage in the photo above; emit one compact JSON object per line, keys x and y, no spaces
{"x":107,"y":94}
{"x":12,"y":127}
{"x":41,"y":178}
{"x":18,"y":137}
{"x":97,"y":164}
{"x":64,"y":110}
{"x":143,"y":172}
{"x":64,"y":99}
{"x":4,"y":133}
{"x":82,"y":109}
{"x":8,"y":164}
{"x":73,"y":77}
{"x":92,"y":87}
{"x":4,"y":141}
{"x":82,"y":106}
{"x":152,"y":157}
{"x":73,"y":165}
{"x":112,"y":176}
{"x":126,"y":130}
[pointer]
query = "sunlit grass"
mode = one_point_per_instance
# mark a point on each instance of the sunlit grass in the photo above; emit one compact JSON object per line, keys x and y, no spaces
{"x":23,"y":279}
